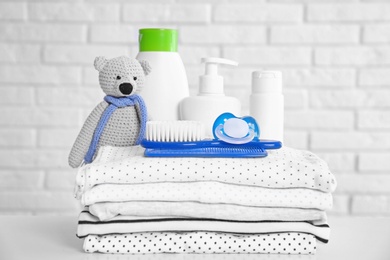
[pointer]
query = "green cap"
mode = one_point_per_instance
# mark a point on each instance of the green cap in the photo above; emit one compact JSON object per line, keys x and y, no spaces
{"x":158,"y":40}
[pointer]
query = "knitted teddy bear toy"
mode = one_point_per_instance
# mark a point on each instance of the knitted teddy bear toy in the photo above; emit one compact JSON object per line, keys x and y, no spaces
{"x":120,"y":119}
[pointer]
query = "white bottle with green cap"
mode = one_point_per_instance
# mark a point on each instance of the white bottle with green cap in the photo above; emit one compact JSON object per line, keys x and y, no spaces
{"x":211,"y":101}
{"x":167,"y":83}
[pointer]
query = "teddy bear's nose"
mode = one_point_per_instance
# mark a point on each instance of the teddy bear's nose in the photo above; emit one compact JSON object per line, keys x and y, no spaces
{"x":126,"y":88}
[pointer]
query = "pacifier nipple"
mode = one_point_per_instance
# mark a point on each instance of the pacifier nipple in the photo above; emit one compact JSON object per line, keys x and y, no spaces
{"x":236,"y":128}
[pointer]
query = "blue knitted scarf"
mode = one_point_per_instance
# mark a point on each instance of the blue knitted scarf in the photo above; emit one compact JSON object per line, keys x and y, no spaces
{"x":114,"y":103}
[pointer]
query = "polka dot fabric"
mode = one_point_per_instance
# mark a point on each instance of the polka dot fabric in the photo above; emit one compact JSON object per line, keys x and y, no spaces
{"x":202,"y":243}
{"x":283,"y":168}
{"x":209,"y":192}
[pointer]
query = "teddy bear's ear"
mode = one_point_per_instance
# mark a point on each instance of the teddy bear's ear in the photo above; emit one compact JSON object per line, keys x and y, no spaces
{"x":145,"y":66}
{"x":99,"y":63}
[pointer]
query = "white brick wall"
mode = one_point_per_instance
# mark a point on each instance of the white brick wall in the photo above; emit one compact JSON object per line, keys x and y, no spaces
{"x":318,"y":34}
{"x":222,"y":34}
{"x":265,"y":12}
{"x":74,"y":12}
{"x":334,"y":56}
{"x":265,"y":56}
{"x":349,"y":12}
{"x":161,"y":13}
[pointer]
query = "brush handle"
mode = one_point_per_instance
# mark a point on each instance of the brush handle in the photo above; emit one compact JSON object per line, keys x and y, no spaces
{"x":209,"y":143}
{"x":208,"y":152}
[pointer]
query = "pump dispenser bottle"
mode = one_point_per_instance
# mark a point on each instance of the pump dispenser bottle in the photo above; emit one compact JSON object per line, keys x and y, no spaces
{"x":211,"y":100}
{"x":167,"y":83}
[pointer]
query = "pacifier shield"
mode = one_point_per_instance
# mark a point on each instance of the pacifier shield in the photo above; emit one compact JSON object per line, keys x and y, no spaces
{"x":235,"y":130}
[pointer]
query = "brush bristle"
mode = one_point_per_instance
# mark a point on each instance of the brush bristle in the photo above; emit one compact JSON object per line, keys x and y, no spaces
{"x":174,"y":131}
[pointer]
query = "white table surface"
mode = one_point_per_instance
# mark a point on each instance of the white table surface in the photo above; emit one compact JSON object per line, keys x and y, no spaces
{"x":49,"y":237}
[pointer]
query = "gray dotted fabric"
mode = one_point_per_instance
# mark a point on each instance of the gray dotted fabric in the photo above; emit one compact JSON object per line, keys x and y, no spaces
{"x":209,"y":192}
{"x":283,"y":168}
{"x":202,"y":243}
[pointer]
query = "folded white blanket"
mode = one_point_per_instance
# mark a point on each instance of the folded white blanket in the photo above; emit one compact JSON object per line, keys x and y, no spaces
{"x":91,"y":225}
{"x":201,"y":242}
{"x":283,"y":168}
{"x":106,"y":211}
{"x":209,"y":192}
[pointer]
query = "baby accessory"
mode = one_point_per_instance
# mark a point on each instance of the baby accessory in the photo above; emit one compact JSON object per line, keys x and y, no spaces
{"x":267,"y":103}
{"x":167,"y":85}
{"x":211,"y":152}
{"x":234,"y":130}
{"x":209,"y":143}
{"x":234,"y":137}
{"x":211,"y":100}
{"x":174,"y":131}
{"x":119,"y":120}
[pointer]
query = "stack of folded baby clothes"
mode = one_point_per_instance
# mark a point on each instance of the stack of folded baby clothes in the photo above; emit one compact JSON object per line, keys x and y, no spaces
{"x":136,"y":205}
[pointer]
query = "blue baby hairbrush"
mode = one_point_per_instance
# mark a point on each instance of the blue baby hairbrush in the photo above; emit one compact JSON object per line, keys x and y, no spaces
{"x":234,"y":137}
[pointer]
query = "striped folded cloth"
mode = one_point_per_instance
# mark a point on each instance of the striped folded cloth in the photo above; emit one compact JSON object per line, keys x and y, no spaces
{"x":91,"y":225}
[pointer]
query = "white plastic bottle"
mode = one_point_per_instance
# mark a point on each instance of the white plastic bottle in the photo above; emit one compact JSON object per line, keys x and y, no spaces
{"x":267,"y":104}
{"x":167,"y":83}
{"x":211,"y":100}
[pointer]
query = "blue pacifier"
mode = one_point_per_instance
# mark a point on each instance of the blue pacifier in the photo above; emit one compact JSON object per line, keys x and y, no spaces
{"x":236,"y":130}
